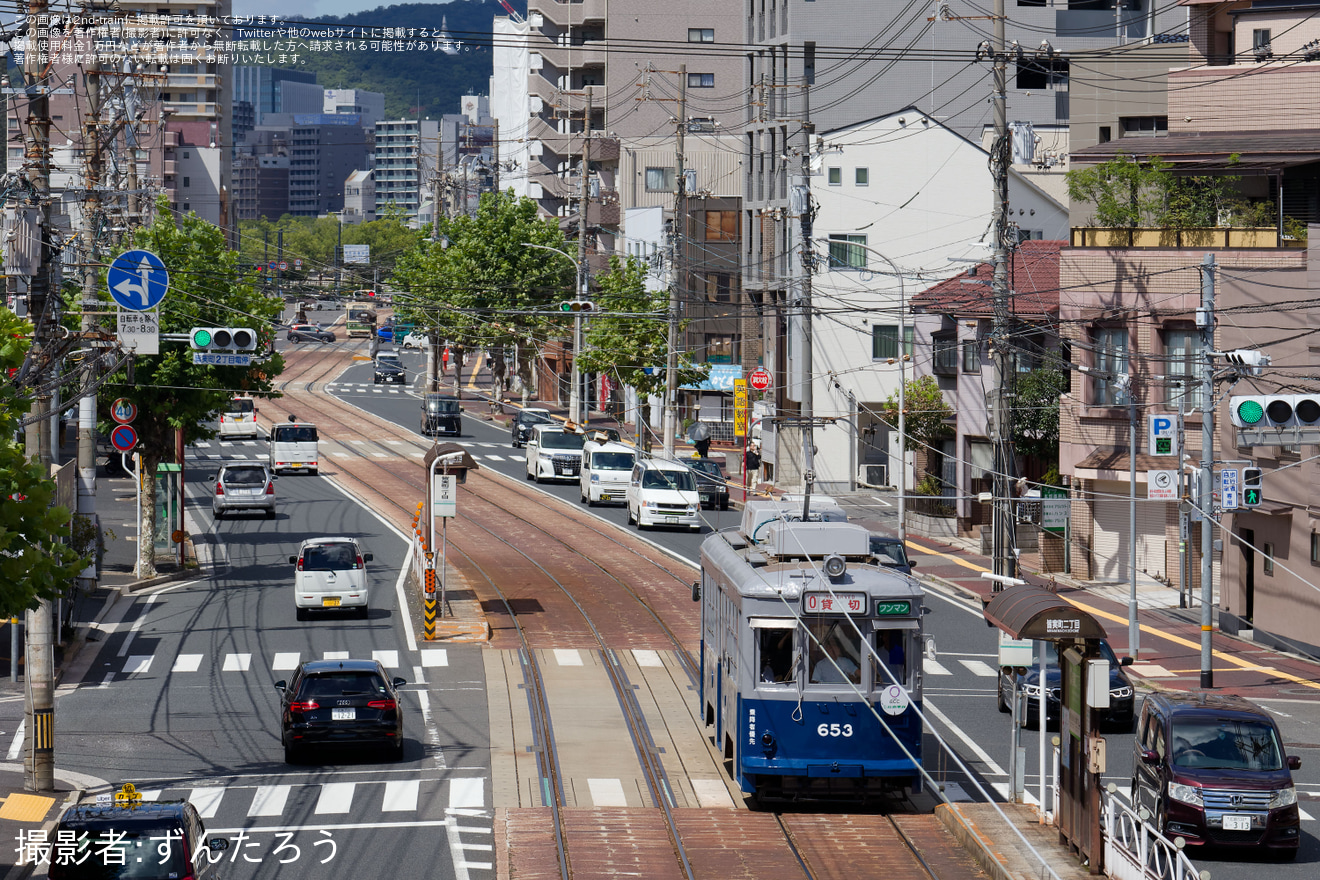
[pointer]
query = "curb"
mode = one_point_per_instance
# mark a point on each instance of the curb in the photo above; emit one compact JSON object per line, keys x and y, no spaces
{"x":964,"y":831}
{"x":182,"y":574}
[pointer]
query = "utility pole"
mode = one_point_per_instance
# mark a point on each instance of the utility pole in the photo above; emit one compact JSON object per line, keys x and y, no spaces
{"x":39,"y":762}
{"x":1003,"y":535}
{"x":678,"y":232}
{"x":1205,"y":321}
{"x":575,"y":412}
{"x":432,"y":338}
{"x":1134,"y":628}
{"x":806,"y":221}
{"x":91,"y":210}
{"x":279,"y":259}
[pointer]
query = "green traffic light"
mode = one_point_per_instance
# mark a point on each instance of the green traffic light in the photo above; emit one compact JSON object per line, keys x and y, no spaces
{"x":565,"y":307}
{"x":201,"y":338}
{"x":1250,"y":412}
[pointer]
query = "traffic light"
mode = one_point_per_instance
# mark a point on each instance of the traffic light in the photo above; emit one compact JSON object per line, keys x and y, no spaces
{"x":577,"y":306}
{"x":222,"y":339}
{"x":1251,"y":488}
{"x":1249,"y":360}
{"x":1260,"y":411}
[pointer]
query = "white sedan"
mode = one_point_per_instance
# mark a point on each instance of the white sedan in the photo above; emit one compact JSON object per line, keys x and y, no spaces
{"x":414,"y":340}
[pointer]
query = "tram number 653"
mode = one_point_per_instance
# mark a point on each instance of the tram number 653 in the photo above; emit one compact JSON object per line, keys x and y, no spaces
{"x":834,"y":730}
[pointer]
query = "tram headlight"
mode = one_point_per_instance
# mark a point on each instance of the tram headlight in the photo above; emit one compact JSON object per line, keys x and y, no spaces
{"x":835,"y":565}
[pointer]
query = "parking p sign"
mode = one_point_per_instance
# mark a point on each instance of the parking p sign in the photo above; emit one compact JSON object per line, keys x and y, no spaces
{"x":1161,"y":433}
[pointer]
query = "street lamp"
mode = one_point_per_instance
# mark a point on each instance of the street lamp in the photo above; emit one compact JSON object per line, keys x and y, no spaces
{"x":902,"y":391}
{"x":575,"y":396}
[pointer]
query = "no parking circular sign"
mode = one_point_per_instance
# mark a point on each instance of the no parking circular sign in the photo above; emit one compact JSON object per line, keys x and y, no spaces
{"x":123,"y":438}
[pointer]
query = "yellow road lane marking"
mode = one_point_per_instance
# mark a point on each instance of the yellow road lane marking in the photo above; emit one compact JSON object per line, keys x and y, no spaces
{"x":1243,"y":665}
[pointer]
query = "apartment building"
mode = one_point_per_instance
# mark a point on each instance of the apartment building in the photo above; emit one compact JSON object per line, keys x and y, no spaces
{"x":277,"y":90}
{"x":404,"y":156}
{"x":369,"y":107}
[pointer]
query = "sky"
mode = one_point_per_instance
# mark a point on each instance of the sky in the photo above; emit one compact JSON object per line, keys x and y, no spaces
{"x":306,"y":8}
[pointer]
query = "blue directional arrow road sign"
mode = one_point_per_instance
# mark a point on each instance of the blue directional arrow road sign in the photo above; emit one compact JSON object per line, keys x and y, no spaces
{"x":137,"y":280}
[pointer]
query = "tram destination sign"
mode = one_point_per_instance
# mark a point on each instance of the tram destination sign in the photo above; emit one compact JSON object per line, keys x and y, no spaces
{"x":833,"y":603}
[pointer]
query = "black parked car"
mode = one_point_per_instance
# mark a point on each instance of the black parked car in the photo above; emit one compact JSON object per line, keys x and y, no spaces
{"x":1122,"y":700}
{"x":521,"y":426}
{"x":150,"y":840}
{"x":389,"y":368}
{"x":335,"y":702}
{"x":309,"y":333}
{"x":712,"y":484}
{"x":441,"y":414}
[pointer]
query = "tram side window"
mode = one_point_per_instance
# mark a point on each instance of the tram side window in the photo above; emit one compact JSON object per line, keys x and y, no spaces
{"x":889,"y":647}
{"x":835,"y":652}
{"x":776,"y":647}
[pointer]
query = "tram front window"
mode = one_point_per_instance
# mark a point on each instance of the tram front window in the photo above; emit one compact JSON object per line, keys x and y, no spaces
{"x":889,"y":648}
{"x":776,"y":646}
{"x":835,"y":650}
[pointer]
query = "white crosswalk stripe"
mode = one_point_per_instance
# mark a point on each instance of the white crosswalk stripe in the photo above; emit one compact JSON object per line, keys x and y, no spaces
{"x":285,"y":661}
{"x":388,"y":659}
{"x":187,"y":662}
{"x":434,"y":657}
{"x":207,"y":800}
{"x":976,"y":667}
{"x":237,"y":663}
{"x":137,"y":663}
{"x":401,"y":795}
{"x":935,"y":667}
{"x":269,"y":800}
{"x":336,"y":797}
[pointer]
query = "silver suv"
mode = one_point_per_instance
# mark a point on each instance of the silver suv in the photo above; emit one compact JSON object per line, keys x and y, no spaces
{"x":244,"y":485}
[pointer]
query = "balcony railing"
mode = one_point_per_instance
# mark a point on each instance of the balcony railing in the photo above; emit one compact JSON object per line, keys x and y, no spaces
{"x":1151,"y":237}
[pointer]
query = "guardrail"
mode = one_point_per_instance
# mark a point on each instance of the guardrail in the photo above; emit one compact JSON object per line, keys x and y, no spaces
{"x":1134,"y":850}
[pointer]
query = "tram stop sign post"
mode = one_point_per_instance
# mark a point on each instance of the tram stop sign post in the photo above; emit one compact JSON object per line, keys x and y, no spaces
{"x":760,"y":379}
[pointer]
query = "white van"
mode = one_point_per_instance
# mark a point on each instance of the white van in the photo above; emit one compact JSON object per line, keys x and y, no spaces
{"x":663,"y":493}
{"x":240,"y":420}
{"x":554,"y":453}
{"x":606,"y":466}
{"x":293,"y":447}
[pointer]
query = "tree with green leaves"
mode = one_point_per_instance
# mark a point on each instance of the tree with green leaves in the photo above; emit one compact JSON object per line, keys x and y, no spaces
{"x":1035,"y":413}
{"x":208,"y":288}
{"x":36,"y":562}
{"x":627,"y":336}
{"x":480,"y":286}
{"x":925,"y":415}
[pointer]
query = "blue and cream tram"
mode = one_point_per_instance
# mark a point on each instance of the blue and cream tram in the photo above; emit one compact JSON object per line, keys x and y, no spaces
{"x":810,"y":657}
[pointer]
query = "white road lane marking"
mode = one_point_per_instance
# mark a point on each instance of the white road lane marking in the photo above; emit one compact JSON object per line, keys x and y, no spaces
{"x":237,"y":663}
{"x":646,"y":657}
{"x":981,"y":755}
{"x":976,"y":667}
{"x":138,"y":663}
{"x":335,"y":655}
{"x":607,"y":793}
{"x":269,"y":800}
{"x":568,"y":657}
{"x":285,"y":661}
{"x":16,"y":745}
{"x":467,"y":794}
{"x":336,"y":797}
{"x":401,"y":796}
{"x":206,"y":800}
{"x":435,"y":657}
{"x":935,"y":667}
{"x":388,"y":659}
{"x":187,"y":663}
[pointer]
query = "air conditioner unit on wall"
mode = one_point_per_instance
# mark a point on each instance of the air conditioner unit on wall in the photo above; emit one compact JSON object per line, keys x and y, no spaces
{"x":874,"y":475}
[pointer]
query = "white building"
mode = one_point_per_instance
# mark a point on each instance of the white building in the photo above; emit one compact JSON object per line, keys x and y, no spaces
{"x":904,"y":187}
{"x":510,"y":102}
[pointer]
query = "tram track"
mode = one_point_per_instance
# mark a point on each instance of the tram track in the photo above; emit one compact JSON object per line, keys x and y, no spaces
{"x":569,"y":568}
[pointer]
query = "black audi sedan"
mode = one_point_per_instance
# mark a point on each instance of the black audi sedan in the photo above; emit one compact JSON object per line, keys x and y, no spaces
{"x":1122,"y":697}
{"x":340,"y":702}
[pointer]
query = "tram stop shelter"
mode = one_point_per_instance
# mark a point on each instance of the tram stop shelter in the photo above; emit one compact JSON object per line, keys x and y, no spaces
{"x":1027,"y":611}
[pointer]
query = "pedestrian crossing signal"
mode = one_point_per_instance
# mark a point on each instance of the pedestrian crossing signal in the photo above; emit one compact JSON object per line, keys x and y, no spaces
{"x":1252,"y":493}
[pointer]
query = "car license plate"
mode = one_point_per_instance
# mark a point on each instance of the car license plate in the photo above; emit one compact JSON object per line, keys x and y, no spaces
{"x":671,"y":520}
{"x":330,"y":602}
{"x":604,"y":496}
{"x":296,"y":464}
{"x":1237,"y":823}
{"x":343,"y":714}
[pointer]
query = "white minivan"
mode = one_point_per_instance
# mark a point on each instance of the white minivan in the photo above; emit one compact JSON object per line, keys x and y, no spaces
{"x":293,"y":447}
{"x":554,"y":453}
{"x":663,"y":493}
{"x":240,"y":420}
{"x":606,"y":466}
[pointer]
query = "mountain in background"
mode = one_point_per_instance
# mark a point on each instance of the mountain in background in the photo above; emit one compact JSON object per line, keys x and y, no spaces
{"x":415,"y":83}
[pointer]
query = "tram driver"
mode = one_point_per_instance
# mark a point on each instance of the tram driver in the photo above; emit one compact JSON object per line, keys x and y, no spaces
{"x":835,"y":666}
{"x":889,"y":648}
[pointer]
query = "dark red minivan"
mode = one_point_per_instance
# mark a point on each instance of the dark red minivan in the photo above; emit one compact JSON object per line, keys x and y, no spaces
{"x":1211,"y":769}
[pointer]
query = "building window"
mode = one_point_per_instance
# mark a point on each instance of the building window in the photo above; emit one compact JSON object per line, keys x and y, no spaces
{"x":1315,"y":548}
{"x":1267,"y":560}
{"x":701,"y":35}
{"x":1028,"y":353}
{"x":185,"y":181}
{"x":1033,"y":74}
{"x":701,"y":80}
{"x":971,"y":356}
{"x":721,"y":226}
{"x":945,"y":361}
{"x":833,"y":175}
{"x":1111,"y":355}
{"x":660,"y":180}
{"x":862,"y":177}
{"x":1183,"y":350}
{"x":884,"y":341}
{"x":1105,"y":134}
{"x":1143,"y":126}
{"x":845,"y":253}
{"x":718,"y":287}
{"x":1260,"y":43}
{"x":809,"y":62}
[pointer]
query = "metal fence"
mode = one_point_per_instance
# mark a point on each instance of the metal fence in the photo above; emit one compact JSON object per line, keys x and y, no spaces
{"x":1134,"y":850}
